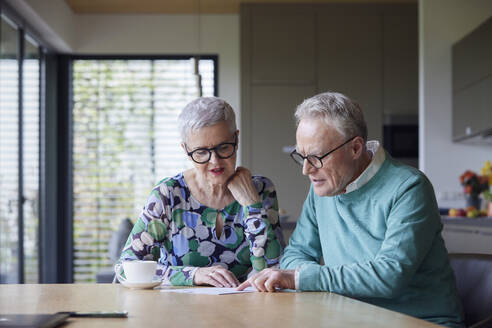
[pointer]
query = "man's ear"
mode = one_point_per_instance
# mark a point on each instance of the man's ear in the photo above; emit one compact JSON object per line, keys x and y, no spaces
{"x":357,"y":147}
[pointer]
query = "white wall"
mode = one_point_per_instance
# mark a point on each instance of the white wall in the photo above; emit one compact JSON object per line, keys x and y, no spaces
{"x":442,"y":23}
{"x":167,"y":34}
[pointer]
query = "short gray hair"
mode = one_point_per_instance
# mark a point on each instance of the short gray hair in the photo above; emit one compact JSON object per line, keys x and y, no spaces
{"x":337,"y":110}
{"x":205,"y":111}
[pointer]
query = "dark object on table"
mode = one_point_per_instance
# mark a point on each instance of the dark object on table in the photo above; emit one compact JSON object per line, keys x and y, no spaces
{"x":32,"y":320}
{"x":474,"y":281}
{"x":98,"y":314}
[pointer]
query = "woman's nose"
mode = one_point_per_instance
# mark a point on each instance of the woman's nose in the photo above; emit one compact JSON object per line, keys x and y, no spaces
{"x":213,"y":157}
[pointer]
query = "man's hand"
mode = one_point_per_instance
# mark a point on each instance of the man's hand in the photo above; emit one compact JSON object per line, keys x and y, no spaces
{"x":269,"y":279}
{"x":216,"y":276}
{"x":242,"y":188}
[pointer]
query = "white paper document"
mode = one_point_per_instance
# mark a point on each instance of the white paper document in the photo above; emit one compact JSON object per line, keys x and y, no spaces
{"x":209,"y":290}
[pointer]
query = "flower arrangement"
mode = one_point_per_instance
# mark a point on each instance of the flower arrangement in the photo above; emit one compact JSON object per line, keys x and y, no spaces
{"x":487,"y":194}
{"x":486,"y":171}
{"x":474,"y":184}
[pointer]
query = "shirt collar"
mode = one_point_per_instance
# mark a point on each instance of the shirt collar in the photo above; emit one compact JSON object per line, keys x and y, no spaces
{"x":378,"y":157}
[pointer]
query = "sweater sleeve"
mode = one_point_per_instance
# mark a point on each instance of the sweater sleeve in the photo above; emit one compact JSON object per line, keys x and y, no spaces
{"x":412,"y":226}
{"x":148,"y":240}
{"x":304,"y":244}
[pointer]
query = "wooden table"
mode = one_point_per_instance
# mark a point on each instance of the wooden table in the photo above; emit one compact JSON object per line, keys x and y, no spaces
{"x":152,"y":308}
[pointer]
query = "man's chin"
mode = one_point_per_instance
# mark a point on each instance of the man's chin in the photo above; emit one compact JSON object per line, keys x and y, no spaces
{"x":320,"y":191}
{"x":323,"y":191}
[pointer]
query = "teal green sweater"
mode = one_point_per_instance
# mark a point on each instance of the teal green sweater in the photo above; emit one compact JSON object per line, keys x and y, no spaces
{"x":380,"y":244}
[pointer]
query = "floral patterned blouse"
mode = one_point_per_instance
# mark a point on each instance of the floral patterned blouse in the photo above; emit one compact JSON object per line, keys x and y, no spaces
{"x":179,"y":233}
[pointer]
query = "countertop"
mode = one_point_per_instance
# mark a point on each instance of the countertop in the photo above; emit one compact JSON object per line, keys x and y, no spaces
{"x":459,"y":220}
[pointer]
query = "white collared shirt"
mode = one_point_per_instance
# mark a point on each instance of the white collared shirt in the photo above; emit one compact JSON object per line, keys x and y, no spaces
{"x":378,"y":157}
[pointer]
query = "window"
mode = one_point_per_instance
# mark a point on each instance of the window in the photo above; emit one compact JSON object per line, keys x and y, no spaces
{"x":19,"y":155}
{"x":125,"y":139}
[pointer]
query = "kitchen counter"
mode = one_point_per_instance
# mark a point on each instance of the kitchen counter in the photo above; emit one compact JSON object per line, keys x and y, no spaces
{"x":479,"y":221}
{"x":465,"y":235}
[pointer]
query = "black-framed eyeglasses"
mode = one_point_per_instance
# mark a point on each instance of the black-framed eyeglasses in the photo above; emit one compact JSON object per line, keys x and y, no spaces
{"x":223,"y":150}
{"x":315,"y":161}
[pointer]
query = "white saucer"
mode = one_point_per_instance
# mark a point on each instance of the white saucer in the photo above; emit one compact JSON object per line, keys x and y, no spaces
{"x":140,"y":285}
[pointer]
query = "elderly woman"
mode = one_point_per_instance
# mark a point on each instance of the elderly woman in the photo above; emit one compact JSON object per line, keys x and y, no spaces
{"x":212,"y":224}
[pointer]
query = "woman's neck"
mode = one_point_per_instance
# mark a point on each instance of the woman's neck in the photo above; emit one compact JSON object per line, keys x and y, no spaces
{"x":209,"y":194}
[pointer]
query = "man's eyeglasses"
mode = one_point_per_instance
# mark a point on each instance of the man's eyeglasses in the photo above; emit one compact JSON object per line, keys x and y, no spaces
{"x":315,"y":161}
{"x":223,"y":150}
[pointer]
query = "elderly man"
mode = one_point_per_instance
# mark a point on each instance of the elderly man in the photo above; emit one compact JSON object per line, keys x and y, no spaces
{"x":373,"y":220}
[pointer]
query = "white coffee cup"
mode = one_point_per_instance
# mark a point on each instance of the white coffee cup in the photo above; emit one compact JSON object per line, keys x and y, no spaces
{"x":139,"y":271}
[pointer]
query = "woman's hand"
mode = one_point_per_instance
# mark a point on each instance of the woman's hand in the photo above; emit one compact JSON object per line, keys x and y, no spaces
{"x":268,"y":280}
{"x":216,"y":276}
{"x":242,"y":187}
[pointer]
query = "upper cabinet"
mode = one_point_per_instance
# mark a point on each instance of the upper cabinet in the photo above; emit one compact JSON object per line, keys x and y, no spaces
{"x":350,"y":59}
{"x":472,"y":85}
{"x":400,"y":63}
{"x":283,"y":45}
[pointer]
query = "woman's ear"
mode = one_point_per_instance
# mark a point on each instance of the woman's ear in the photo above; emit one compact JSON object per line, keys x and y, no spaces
{"x":237,"y":137}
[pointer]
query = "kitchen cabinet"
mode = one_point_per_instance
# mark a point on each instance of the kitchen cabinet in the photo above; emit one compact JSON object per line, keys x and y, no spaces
{"x":472,"y":83}
{"x":350,"y":60}
{"x":400,"y":63}
{"x":282,"y":45}
{"x":463,"y":235}
{"x":278,"y":71}
{"x":472,"y":109}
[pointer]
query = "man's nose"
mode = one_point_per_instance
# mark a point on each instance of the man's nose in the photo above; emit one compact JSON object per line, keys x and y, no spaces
{"x":307,"y":167}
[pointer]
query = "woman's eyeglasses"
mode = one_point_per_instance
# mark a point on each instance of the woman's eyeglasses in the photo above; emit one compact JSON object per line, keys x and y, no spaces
{"x":315,"y":161}
{"x":223,"y":150}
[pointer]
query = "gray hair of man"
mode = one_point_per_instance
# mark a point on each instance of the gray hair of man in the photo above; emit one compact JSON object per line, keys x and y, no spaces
{"x":205,"y":111}
{"x":336,"y":110}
